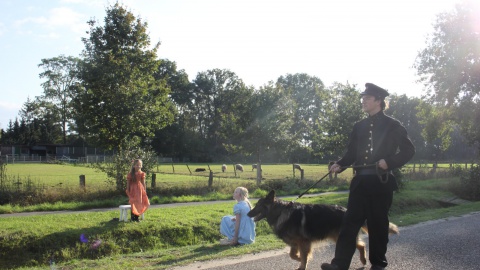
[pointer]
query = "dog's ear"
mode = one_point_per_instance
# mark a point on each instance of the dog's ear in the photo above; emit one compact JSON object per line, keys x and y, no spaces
{"x":271,"y":195}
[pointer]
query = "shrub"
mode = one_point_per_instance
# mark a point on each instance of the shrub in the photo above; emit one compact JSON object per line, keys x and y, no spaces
{"x":470,"y":183}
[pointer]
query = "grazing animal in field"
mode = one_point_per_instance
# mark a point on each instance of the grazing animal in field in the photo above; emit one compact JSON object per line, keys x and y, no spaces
{"x":301,"y":225}
{"x":224,"y":167}
{"x":200,"y":169}
{"x":330,"y":175}
{"x":297,"y":166}
{"x":255,"y":167}
{"x":239,"y":167}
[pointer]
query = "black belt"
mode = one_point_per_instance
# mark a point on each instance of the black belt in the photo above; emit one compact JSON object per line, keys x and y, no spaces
{"x":367,"y":171}
{"x":373,"y":171}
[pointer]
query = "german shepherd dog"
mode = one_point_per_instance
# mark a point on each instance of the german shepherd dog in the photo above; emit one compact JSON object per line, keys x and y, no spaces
{"x":301,"y":225}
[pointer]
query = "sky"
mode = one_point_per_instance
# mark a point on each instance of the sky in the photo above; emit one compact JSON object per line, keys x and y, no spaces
{"x":354,"y":41}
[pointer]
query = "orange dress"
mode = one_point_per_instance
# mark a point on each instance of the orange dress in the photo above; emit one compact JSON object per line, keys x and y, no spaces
{"x":137,"y":195}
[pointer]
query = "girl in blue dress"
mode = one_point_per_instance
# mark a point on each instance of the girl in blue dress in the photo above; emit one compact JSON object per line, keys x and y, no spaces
{"x":240,"y":228}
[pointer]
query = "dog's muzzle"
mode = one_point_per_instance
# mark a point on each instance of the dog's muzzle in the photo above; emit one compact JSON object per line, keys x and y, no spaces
{"x":256,"y":216}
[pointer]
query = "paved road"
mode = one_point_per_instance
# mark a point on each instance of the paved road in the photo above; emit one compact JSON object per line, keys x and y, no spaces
{"x":452,"y":243}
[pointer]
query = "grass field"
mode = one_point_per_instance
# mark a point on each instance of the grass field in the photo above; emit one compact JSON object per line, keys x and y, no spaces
{"x":56,"y":175}
{"x":39,"y":187}
{"x":57,"y":186}
{"x":68,"y":174}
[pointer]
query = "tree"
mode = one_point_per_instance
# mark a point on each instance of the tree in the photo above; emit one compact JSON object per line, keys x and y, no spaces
{"x":308,"y":95}
{"x":406,"y":110}
{"x":36,"y":125}
{"x":119,"y":98}
{"x":177,"y":139}
{"x":217,"y":93}
{"x":264,"y":126}
{"x":468,"y":119}
{"x":181,"y":89}
{"x":437,"y":125}
{"x":450,"y":65}
{"x":61,"y":74}
{"x":335,"y":121}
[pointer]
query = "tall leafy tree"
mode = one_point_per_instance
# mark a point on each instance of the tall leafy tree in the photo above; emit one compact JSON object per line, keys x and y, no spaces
{"x":264,"y":127}
{"x":406,"y":110}
{"x":120,"y":97}
{"x":449,"y":66}
{"x":437,"y":126}
{"x":216,"y":93}
{"x":308,"y":95}
{"x":37,"y":124}
{"x":181,"y":89}
{"x":61,"y":78}
{"x":178,"y":139}
{"x":335,"y":121}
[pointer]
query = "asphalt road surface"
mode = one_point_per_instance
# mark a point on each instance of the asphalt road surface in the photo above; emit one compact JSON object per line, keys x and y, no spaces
{"x":452,"y":243}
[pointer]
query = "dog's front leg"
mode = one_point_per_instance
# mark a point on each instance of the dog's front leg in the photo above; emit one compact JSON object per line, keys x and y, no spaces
{"x":294,"y":252}
{"x":362,"y":250}
{"x":305,"y":254}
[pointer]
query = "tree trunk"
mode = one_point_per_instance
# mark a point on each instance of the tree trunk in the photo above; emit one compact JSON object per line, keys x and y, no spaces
{"x":120,"y":181}
{"x":259,"y":168}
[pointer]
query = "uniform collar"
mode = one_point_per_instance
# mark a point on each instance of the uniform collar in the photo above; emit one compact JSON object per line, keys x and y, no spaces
{"x":376,"y":116}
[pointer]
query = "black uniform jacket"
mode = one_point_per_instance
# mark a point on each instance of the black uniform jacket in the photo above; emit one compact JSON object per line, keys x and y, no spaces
{"x":372,"y":139}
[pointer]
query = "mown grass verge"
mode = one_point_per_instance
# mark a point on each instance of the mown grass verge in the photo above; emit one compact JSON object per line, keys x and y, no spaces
{"x":174,"y":235}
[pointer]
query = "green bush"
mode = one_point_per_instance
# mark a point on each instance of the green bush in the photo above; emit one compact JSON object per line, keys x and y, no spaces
{"x":470,"y":183}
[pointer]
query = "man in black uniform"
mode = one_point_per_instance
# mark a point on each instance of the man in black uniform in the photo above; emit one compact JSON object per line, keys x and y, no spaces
{"x":378,"y":144}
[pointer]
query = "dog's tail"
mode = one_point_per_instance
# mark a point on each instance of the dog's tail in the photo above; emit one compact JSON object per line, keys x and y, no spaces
{"x":392,"y":228}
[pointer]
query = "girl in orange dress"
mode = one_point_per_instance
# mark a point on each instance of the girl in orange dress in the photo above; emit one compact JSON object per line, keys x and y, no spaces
{"x":136,"y":190}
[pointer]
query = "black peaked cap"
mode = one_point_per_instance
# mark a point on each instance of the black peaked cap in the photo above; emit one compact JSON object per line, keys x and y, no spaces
{"x":374,"y":90}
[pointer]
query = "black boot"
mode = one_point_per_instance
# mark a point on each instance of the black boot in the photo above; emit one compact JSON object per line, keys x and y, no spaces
{"x":329,"y":266}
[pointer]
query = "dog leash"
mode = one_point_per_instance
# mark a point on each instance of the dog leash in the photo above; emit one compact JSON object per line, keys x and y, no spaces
{"x":378,"y":170}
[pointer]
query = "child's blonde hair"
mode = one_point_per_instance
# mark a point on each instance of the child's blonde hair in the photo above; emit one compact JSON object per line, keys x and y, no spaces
{"x":132,"y":172}
{"x":244,"y":194}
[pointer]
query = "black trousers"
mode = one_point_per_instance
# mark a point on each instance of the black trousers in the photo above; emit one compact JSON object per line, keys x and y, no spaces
{"x":372,"y":207}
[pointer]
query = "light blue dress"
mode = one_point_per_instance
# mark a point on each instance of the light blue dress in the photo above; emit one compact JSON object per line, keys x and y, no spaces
{"x":246,"y":231}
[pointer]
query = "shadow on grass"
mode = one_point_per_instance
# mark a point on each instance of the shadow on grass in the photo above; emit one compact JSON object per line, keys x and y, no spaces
{"x":203,"y":251}
{"x":108,"y":238}
{"x":44,"y":250}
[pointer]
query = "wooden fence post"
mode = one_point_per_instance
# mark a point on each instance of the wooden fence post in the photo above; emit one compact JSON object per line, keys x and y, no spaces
{"x":301,"y":175}
{"x":82,"y":181}
{"x":210,"y":179}
{"x":154,"y":178}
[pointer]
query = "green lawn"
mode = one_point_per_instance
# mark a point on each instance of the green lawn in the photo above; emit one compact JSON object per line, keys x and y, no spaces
{"x":68,"y":175}
{"x":56,"y":175}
